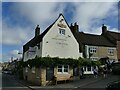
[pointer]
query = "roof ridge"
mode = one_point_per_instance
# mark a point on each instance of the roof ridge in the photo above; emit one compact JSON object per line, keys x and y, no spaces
{"x":89,"y":34}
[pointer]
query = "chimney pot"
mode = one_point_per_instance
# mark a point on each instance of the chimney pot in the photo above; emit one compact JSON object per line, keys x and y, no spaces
{"x":104,"y":28}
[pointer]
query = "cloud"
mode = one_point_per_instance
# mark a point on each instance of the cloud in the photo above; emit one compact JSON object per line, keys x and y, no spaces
{"x":112,"y":29}
{"x":15,"y":35}
{"x":11,"y":54}
{"x":42,"y":13}
{"x":90,"y":15}
{"x":37,"y":13}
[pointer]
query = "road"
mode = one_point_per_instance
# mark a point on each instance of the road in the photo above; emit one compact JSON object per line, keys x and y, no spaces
{"x":9,"y":83}
{"x":91,"y":83}
{"x":100,"y":84}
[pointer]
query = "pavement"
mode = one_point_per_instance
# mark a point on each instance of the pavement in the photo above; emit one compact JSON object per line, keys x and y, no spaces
{"x":72,"y":85}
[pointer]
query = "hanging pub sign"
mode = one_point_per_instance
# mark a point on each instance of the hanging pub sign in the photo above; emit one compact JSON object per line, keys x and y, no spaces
{"x":61,"y":24}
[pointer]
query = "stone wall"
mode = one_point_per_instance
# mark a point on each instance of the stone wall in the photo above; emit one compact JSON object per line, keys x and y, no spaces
{"x":118,"y":50}
{"x":39,"y":77}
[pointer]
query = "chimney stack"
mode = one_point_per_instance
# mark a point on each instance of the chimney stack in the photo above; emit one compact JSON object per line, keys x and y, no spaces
{"x":104,"y":28}
{"x":74,"y":28}
{"x":37,"y":31}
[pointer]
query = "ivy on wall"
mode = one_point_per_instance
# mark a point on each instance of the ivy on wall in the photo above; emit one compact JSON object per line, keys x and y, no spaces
{"x":47,"y":61}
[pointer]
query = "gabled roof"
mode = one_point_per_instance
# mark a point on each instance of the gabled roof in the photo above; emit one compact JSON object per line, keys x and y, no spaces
{"x":91,"y":39}
{"x":112,"y":36}
{"x":34,"y":41}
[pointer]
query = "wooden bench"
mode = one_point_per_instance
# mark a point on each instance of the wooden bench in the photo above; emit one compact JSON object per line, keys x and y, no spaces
{"x":63,"y":77}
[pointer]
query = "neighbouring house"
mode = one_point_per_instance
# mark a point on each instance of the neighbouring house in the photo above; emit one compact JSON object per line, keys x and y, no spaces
{"x":113,"y":37}
{"x":94,"y":47}
{"x":56,"y":41}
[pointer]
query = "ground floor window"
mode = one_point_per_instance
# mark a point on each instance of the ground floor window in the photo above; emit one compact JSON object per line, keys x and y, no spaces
{"x":63,"y":68}
{"x":88,"y":69}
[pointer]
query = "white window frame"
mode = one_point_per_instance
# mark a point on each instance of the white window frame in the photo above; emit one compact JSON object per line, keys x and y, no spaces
{"x":86,"y":68}
{"x":33,"y":69}
{"x":61,"y":31}
{"x":92,"y":49}
{"x":111,"y":51}
{"x":62,"y":69}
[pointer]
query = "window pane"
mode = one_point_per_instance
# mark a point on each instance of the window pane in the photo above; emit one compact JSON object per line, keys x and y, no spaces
{"x":66,"y":68}
{"x":60,"y":68}
{"x":62,"y":31}
{"x":89,"y":68}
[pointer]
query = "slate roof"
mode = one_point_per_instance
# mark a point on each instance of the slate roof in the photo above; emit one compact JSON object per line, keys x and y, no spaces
{"x":113,"y":37}
{"x":34,"y":41}
{"x":93,"y":40}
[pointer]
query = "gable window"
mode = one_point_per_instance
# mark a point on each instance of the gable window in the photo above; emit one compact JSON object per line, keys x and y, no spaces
{"x":61,"y":31}
{"x":111,"y":51}
{"x":92,"y":49}
{"x":63,"y":68}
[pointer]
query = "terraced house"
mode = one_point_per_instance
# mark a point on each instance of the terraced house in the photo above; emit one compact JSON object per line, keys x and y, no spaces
{"x":64,"y":41}
{"x":113,"y":37}
{"x":95,"y":47}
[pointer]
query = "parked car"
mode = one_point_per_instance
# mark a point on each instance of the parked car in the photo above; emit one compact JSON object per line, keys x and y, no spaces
{"x":116,"y":68}
{"x":7,"y":72}
{"x":113,"y":86}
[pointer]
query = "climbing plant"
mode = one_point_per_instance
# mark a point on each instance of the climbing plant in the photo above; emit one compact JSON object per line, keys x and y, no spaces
{"x":47,"y":61}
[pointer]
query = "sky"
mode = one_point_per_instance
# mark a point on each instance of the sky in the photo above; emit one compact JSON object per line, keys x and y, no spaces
{"x":19,"y":18}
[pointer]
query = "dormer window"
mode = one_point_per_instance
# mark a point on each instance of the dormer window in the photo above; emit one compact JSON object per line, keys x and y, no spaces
{"x":61,"y":31}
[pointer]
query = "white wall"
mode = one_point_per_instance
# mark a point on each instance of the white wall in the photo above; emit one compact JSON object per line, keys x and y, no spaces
{"x":37,"y":52}
{"x":57,"y":45}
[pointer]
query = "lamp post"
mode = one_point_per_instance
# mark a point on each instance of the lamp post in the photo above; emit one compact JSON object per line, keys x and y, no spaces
{"x":20,"y":66}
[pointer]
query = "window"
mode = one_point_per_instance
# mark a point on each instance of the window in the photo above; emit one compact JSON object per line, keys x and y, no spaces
{"x":87,"y":68}
{"x":92,"y":49}
{"x":111,"y":51}
{"x":33,"y":69}
{"x":66,"y":68}
{"x":63,"y":69}
{"x":60,"y":68}
{"x":61,"y":31}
